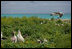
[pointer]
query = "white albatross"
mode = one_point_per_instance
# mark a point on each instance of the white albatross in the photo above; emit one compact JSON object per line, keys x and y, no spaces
{"x":19,"y":37}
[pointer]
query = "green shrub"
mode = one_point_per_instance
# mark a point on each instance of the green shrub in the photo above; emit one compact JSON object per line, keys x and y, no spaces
{"x":57,"y":36}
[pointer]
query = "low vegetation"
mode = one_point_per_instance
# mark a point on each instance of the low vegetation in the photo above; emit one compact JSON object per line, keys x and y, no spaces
{"x":57,"y":32}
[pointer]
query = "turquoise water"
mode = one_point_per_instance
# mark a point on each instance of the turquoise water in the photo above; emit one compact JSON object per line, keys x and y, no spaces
{"x":46,"y":16}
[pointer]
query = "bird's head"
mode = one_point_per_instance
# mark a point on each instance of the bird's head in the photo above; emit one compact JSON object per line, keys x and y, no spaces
{"x":19,"y":31}
{"x":13,"y":32}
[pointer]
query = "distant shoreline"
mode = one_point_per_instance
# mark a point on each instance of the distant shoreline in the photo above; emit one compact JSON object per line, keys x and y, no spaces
{"x":45,"y":16}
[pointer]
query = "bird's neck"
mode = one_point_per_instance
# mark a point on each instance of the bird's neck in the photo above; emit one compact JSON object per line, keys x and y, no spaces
{"x":19,"y":33}
{"x":1,"y":33}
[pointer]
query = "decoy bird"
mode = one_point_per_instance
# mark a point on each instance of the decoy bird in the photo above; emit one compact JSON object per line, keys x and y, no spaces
{"x":13,"y":38}
{"x":19,"y":37}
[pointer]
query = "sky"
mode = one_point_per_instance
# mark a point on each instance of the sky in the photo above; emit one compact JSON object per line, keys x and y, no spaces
{"x":22,"y":7}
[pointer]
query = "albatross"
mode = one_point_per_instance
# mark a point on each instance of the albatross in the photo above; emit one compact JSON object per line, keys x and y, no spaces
{"x":2,"y":37}
{"x":20,"y":37}
{"x":57,"y":13}
{"x":14,"y":38}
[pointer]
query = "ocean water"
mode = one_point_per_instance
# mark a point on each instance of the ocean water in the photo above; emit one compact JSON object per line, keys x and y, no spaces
{"x":45,"y":16}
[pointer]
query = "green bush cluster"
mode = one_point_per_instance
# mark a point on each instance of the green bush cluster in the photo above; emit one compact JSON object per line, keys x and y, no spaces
{"x":58,"y":36}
